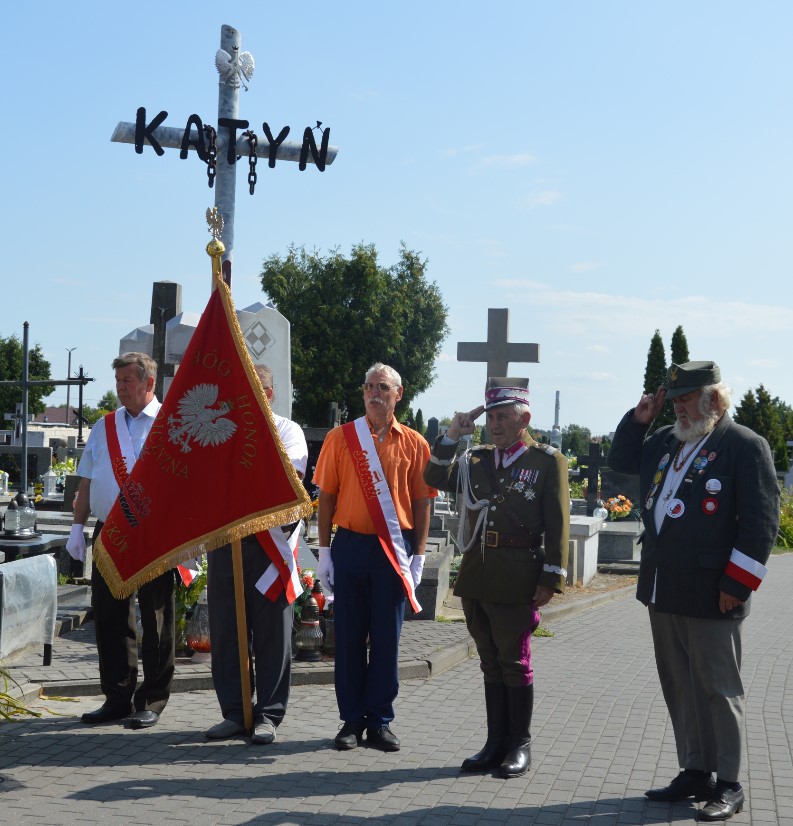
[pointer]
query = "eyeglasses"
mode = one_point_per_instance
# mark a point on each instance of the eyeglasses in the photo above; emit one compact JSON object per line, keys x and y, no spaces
{"x":381,"y":386}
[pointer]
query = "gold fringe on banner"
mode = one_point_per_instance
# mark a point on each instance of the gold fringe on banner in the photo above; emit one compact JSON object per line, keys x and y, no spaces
{"x":298,"y":508}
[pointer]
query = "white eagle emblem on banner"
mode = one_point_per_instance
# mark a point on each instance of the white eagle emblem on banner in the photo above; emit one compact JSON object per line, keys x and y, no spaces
{"x":199,"y":420}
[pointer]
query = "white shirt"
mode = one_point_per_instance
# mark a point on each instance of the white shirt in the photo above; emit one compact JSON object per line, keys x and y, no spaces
{"x":294,"y":441}
{"x":95,"y":462}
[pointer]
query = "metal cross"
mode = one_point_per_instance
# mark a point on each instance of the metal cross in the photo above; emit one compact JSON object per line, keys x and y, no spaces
{"x":234,"y":68}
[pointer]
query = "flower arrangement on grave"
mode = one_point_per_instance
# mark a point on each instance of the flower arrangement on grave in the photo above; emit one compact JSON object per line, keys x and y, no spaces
{"x":185,"y":598}
{"x":307,"y":581}
{"x":619,"y":507}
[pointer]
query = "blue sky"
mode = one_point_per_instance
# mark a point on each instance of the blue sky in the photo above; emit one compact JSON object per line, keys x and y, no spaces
{"x":603,"y":169}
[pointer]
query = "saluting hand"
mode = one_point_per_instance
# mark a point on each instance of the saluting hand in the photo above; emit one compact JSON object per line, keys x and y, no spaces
{"x":649,"y":406}
{"x":463,"y":423}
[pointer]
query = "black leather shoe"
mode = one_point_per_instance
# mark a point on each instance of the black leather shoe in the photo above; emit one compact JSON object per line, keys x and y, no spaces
{"x":144,"y":719}
{"x":723,"y":804}
{"x":107,"y":713}
{"x":382,"y":738}
{"x":349,"y":737}
{"x":688,"y":783}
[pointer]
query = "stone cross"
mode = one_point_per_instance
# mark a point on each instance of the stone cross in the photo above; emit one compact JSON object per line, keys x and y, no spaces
{"x":497,"y":351}
{"x":234,"y":67}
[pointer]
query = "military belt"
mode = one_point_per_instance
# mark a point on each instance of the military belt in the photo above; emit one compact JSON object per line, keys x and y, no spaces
{"x":499,"y":539}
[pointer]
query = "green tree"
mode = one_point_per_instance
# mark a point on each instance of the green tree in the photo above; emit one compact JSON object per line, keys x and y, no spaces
{"x":655,"y":376}
{"x":11,"y":370}
{"x":348,"y":313}
{"x":108,"y":402}
{"x":765,"y":416}
{"x":746,"y":412}
{"x":679,"y":348}
{"x":576,"y":439}
{"x":408,"y":418}
{"x":420,"y":426}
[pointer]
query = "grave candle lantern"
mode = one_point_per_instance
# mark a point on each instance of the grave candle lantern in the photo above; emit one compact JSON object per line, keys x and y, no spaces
{"x":309,"y":634}
{"x":20,"y":518}
{"x":197,"y":630}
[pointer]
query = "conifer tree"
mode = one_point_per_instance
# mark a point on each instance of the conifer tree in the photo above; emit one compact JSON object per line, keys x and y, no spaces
{"x":679,"y":348}
{"x":655,"y":376}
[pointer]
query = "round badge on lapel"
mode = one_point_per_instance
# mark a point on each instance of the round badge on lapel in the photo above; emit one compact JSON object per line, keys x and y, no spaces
{"x":675,"y":508}
{"x":713,"y":486}
{"x":709,"y":505}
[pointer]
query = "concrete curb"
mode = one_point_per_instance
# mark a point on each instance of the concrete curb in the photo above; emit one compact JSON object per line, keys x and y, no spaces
{"x":321,"y":673}
{"x":558,"y":611}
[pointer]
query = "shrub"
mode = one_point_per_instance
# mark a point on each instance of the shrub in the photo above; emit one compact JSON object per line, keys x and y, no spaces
{"x":785,"y":538}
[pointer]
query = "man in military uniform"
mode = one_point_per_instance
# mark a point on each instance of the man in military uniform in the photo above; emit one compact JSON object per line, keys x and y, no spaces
{"x":514,"y":530}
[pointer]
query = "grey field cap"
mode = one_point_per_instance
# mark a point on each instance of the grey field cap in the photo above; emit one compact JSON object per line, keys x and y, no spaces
{"x":683,"y":378}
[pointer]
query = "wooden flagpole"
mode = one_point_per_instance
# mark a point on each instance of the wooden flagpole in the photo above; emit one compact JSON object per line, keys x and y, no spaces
{"x":215,"y":251}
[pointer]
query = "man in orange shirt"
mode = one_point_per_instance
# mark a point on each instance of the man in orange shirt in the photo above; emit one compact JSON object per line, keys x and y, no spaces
{"x":370,"y":476}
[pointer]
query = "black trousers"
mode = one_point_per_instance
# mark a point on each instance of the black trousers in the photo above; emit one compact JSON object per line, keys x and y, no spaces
{"x":117,"y":647}
{"x":269,"y":637}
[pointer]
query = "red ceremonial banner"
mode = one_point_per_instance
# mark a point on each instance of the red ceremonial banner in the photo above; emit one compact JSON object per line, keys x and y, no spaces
{"x":213,"y":468}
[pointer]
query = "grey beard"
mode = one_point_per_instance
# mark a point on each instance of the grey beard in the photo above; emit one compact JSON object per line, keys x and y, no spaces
{"x":696,"y":430}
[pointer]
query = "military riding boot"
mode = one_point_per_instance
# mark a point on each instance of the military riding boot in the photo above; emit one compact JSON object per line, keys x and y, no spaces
{"x":495,"y":748}
{"x":520,"y":702}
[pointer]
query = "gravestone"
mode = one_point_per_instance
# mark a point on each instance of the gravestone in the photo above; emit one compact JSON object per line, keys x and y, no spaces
{"x":613,"y":484}
{"x":139,"y":340}
{"x":28,"y":605}
{"x":589,"y":466}
{"x":431,"y":433}
{"x":166,"y":302}
{"x":268,"y":336}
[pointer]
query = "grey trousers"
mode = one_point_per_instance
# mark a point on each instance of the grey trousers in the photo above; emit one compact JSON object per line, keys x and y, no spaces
{"x":699,"y":665}
{"x":269,"y":637}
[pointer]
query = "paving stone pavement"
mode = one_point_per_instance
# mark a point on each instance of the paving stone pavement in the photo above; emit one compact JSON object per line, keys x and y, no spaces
{"x":601,"y":737}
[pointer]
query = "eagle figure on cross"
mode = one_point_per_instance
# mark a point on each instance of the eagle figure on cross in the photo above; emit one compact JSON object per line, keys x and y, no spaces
{"x":233,"y":68}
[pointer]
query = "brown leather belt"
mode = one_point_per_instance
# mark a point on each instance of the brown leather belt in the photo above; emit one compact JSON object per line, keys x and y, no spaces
{"x":498,"y":539}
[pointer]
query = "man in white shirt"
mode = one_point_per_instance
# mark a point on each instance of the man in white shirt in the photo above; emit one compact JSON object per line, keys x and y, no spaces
{"x":269,"y":621}
{"x":113,"y":446}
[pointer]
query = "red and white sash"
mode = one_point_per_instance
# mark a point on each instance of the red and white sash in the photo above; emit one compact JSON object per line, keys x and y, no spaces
{"x":119,"y":445}
{"x":122,"y":460}
{"x":378,"y":501}
{"x":281,"y":574}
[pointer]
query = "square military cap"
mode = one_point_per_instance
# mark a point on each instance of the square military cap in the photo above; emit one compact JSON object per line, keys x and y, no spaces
{"x":683,"y":378}
{"x":502,"y":390}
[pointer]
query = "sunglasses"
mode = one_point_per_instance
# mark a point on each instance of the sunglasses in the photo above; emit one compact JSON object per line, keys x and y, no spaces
{"x":381,"y":386}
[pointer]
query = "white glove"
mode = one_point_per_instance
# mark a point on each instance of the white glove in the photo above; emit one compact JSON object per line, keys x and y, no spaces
{"x":416,"y":568}
{"x":325,"y":570}
{"x":75,"y":544}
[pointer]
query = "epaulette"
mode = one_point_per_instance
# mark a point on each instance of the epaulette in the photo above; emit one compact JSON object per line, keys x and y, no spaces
{"x":549,"y":449}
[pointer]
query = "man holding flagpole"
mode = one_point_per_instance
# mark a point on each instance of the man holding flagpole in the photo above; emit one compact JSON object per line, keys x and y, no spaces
{"x":370,"y":476}
{"x":114,"y":445}
{"x":270,"y":574}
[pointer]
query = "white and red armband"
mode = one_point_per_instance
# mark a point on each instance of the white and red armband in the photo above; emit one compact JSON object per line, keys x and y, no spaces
{"x":744,"y":569}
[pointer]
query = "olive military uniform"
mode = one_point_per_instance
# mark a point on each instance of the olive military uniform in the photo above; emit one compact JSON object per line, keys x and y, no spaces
{"x":519,"y":541}
{"x":505,"y":568}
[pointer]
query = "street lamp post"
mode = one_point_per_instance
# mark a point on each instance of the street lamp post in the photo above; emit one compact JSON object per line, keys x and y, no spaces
{"x":68,"y":376}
